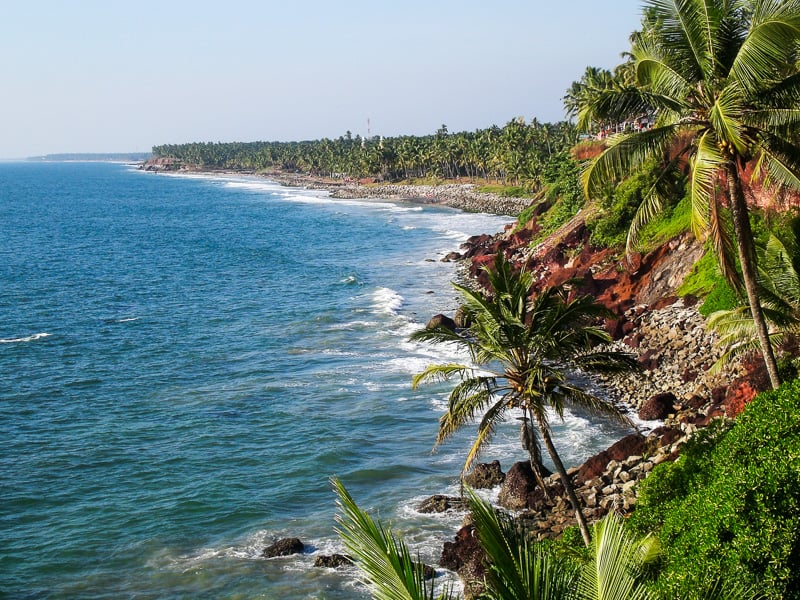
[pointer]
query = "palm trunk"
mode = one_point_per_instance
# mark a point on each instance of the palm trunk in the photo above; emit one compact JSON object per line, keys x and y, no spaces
{"x":567,"y":483}
{"x":534,"y":455}
{"x":744,"y":241}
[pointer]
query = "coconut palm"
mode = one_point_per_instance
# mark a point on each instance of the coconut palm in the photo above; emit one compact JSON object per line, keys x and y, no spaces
{"x":779,"y":290}
{"x":522,"y":349}
{"x":384,"y":559}
{"x":518,"y":569}
{"x":722,"y":77}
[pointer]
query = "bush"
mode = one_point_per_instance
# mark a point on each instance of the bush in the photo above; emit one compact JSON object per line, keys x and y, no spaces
{"x":730,"y":505}
{"x":563,"y":190}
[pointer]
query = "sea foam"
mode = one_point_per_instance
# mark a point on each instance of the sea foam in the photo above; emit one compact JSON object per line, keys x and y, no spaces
{"x":29,"y":338}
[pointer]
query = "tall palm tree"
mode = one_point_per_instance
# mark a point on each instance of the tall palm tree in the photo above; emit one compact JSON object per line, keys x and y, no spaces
{"x":722,"y":77}
{"x":779,"y":290}
{"x":522,"y":348}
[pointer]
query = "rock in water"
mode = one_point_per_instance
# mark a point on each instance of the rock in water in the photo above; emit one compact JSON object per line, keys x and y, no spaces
{"x":332,"y":561}
{"x":284,"y":547}
{"x":485,"y":476}
{"x":441,"y":321}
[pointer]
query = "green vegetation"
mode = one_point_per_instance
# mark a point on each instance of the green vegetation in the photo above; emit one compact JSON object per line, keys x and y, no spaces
{"x":561,"y":178}
{"x":513,"y":155}
{"x":779,"y":288}
{"x":533,"y":342}
{"x":615,"y":567}
{"x":506,"y":191}
{"x":715,"y":110}
{"x":730,"y":505}
{"x":706,"y":281}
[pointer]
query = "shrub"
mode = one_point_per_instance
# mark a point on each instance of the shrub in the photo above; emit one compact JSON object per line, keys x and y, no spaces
{"x":730,"y":505}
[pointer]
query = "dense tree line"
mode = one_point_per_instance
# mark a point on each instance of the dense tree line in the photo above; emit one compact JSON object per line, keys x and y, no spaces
{"x":514,"y":154}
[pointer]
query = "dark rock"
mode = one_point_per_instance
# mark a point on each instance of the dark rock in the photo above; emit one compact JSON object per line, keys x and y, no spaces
{"x":658,"y":407}
{"x":284,"y":547}
{"x":519,"y":482}
{"x":669,"y":437}
{"x":595,"y":466}
{"x":451,"y":256}
{"x":485,"y":475}
{"x":332,"y":561}
{"x":466,"y":557}
{"x":440,"y":504}
{"x":441,"y":321}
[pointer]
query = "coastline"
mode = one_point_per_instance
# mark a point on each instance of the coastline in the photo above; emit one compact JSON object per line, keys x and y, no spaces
{"x":461,"y":196}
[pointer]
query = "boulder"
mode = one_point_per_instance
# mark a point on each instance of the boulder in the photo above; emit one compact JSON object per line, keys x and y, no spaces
{"x":595,"y":466}
{"x":517,"y":485}
{"x":485,"y":476}
{"x":440,"y":504}
{"x":332,"y":561}
{"x":451,"y":256}
{"x":658,"y":407}
{"x":466,"y":557}
{"x":284,"y":547}
{"x":441,"y":321}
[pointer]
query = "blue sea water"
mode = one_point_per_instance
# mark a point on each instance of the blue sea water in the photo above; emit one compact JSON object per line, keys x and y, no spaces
{"x":186,"y":361}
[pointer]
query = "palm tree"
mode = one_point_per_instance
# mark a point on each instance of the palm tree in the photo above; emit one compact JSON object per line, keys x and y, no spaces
{"x":722,"y":77}
{"x":522,"y":349}
{"x":779,"y":291}
{"x":518,"y":569}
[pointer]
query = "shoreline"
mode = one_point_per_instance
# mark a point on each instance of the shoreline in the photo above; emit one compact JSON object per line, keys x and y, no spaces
{"x":461,"y":196}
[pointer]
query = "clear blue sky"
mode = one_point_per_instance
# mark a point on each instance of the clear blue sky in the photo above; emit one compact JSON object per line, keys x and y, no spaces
{"x":113,"y":76}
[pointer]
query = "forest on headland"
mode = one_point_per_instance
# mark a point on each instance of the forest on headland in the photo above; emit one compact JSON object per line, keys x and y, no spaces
{"x":696,"y":134}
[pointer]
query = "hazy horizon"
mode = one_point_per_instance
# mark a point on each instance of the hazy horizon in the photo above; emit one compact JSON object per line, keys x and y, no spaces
{"x":118,"y":78}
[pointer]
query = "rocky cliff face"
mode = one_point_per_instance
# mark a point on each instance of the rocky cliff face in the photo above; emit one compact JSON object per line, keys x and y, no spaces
{"x":674,"y":390}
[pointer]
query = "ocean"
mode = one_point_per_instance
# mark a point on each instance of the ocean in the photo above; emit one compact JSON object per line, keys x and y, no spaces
{"x":185,"y":361}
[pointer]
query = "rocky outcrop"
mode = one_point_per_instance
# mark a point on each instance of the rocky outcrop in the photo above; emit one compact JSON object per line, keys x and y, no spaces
{"x":284,"y":547}
{"x":440,"y":504}
{"x":656,"y":408}
{"x":333,"y":561}
{"x":465,"y":556}
{"x":440,"y":320}
{"x":485,"y":476}
{"x":519,"y":483}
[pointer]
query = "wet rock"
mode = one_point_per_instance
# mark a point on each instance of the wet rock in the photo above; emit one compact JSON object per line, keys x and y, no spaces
{"x":465,"y":556}
{"x":485,"y":476}
{"x":440,"y":503}
{"x":284,"y":547}
{"x":332,"y":561}
{"x":518,"y":483}
{"x":440,"y":320}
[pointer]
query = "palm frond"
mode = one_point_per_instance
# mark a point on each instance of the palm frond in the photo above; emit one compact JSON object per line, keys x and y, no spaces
{"x":518,"y":569}
{"x":438,"y":373}
{"x":467,"y":401}
{"x":439,"y":335}
{"x":624,"y":154}
{"x":486,"y":429}
{"x":384,"y":560}
{"x":706,"y":164}
{"x":772,"y":37}
{"x":615,"y":571}
{"x":606,"y":361}
{"x":582,"y":398}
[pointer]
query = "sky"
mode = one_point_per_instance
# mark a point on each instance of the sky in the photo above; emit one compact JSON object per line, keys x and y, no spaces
{"x":113,"y":76}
